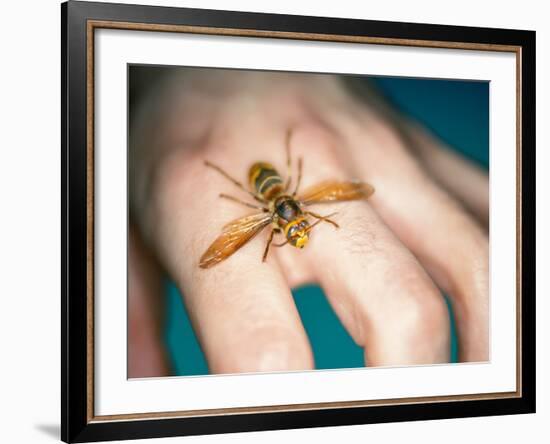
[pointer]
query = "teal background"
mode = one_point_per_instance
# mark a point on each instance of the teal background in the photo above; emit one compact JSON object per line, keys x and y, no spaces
{"x":457,"y":112}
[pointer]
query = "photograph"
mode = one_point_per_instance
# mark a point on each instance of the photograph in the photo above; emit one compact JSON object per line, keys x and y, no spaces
{"x":265,"y":222}
{"x":281,"y":221}
{"x":299,"y":221}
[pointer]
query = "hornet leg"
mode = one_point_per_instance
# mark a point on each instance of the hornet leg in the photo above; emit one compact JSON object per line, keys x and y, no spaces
{"x":268,"y":244}
{"x":299,"y":177}
{"x":324,"y":218}
{"x":236,"y":182}
{"x":242,"y":202}
{"x":288,"y":161}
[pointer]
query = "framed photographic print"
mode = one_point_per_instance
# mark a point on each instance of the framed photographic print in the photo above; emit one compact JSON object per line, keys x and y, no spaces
{"x":275,"y":221}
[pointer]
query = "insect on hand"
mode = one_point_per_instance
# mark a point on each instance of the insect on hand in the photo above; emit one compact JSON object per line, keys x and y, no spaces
{"x":287,"y":213}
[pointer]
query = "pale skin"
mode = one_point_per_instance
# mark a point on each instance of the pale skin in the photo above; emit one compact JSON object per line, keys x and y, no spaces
{"x":423,"y":232}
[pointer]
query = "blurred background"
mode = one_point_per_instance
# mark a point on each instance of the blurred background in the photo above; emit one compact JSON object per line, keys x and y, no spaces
{"x":455,"y":111}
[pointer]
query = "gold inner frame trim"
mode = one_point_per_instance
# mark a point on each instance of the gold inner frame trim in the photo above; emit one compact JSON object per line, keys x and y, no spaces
{"x":98,"y":24}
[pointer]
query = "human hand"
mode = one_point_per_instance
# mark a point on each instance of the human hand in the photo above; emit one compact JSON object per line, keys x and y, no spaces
{"x":380,"y":271}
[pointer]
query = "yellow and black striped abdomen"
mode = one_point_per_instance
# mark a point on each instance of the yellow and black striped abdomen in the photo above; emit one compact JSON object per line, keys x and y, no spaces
{"x":265,"y":180}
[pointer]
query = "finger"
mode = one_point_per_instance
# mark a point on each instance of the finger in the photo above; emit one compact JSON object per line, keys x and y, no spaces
{"x":242,"y":308}
{"x":452,"y":247}
{"x":146,"y":351}
{"x":435,"y":227}
{"x":463,"y":179}
{"x":246,"y":317}
{"x":378,"y":289}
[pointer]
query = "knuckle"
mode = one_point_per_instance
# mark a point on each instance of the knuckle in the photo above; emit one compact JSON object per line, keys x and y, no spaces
{"x":266,"y":352}
{"x":425,"y":319}
{"x":167,"y":200}
{"x":173,"y":177}
{"x":324,"y":145}
{"x":387,"y":136}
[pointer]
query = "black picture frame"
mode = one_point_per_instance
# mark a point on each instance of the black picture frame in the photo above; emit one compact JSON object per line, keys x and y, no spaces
{"x":77,"y":424}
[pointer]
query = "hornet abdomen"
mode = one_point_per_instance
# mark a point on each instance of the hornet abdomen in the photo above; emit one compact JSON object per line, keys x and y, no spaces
{"x":265,"y":180}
